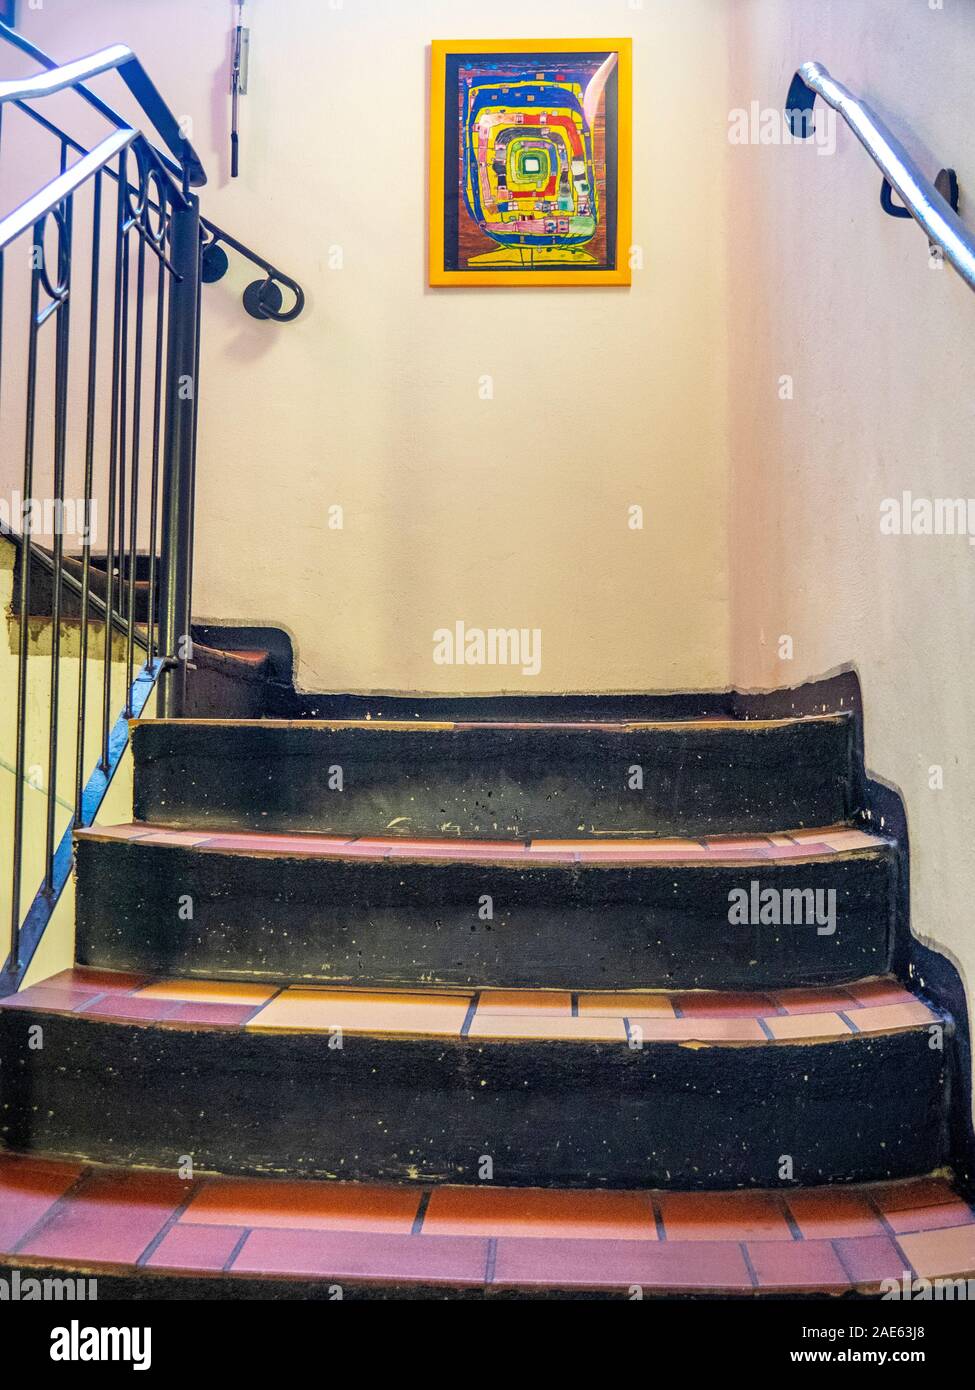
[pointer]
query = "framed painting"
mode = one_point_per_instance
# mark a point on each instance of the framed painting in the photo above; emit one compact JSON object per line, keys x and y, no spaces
{"x":530,"y":162}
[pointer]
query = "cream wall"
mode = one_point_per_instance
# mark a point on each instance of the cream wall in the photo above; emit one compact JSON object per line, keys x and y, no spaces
{"x":827,"y":290}
{"x":508,"y":512}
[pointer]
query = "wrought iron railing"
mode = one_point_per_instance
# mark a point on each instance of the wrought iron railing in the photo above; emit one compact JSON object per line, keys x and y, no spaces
{"x":101,"y":271}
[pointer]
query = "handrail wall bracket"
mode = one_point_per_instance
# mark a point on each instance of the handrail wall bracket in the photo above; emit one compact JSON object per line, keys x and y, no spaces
{"x":934,"y":206}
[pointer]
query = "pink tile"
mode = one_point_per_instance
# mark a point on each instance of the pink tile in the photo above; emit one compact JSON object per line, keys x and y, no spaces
{"x":128,"y":1008}
{"x":206,"y":1248}
{"x":49,"y":1000}
{"x":936,"y":1218}
{"x":799,"y":1264}
{"x":358,"y":1256}
{"x":29,"y":1188}
{"x":604,"y":1264}
{"x":869,"y":1259}
{"x":213,"y":1015}
{"x":111,"y":1219}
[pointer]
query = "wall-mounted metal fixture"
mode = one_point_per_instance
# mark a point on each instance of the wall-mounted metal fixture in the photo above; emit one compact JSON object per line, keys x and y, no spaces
{"x":933,"y":206}
{"x":238,"y":85}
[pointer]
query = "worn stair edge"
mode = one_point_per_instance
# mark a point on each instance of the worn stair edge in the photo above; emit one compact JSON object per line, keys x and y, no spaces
{"x":706,"y":1091}
{"x":150,"y":1229}
{"x":497,"y":779}
{"x":396,"y":912}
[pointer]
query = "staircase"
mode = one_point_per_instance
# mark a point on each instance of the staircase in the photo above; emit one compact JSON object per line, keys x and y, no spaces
{"x":516,"y":1007}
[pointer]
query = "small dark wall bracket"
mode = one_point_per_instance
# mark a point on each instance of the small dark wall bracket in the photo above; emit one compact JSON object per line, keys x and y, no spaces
{"x":946,"y":183}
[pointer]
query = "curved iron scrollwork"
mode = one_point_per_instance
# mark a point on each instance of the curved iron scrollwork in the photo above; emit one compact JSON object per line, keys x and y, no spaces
{"x":263,"y":299}
{"x":57,"y":290}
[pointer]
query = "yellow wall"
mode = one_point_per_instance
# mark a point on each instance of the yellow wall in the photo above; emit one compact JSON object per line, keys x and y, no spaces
{"x":511,"y":512}
{"x":56,"y":951}
{"x":828,"y":290}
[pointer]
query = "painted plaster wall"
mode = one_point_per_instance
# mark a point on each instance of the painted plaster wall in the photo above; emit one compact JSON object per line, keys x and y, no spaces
{"x":506,"y":512}
{"x":827,"y":290}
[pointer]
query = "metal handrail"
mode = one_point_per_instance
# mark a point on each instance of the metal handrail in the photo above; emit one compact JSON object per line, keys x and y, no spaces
{"x":53,"y":194}
{"x":921,"y":199}
{"x":215,"y":235}
{"x":58,"y":78}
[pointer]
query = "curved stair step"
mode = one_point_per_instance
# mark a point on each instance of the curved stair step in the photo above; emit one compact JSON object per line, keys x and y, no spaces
{"x":495,"y":779}
{"x":151,"y":1234}
{"x":598,"y":914}
{"x":705,"y":1089}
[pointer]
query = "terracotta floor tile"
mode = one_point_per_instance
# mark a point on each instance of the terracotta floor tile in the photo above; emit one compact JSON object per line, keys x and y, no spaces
{"x":212,"y":1015}
{"x":844,"y":840}
{"x":692,"y":1216}
{"x":208,"y":992}
{"x":307,"y":1010}
{"x":719,"y":1004}
{"x":883,"y":991}
{"x":813,"y":1001}
{"x":353,"y":1255}
{"x":788,"y":1027}
{"x":739,"y":843}
{"x":828,"y":1212}
{"x":940,"y":1254}
{"x":112,"y":1218}
{"x":608,"y":1264}
{"x":101,"y":981}
{"x":288,"y":845}
{"x":713,"y":1030}
{"x":205,"y":1248}
{"x":890,"y":1017}
{"x":807,"y":850}
{"x":626,"y":1005}
{"x":489,"y":850}
{"x":319,"y":1206}
{"x":912,"y":1193}
{"x":547,"y":1027}
{"x":525,"y":1001}
{"x":40,"y":997}
{"x":114,"y":832}
{"x":186,"y":838}
{"x":816,"y":834}
{"x":591,"y":848}
{"x":535,"y":1212}
{"x":869,"y":1259}
{"x":803,"y":1264}
{"x":126,"y":1008}
{"x":29,"y":1189}
{"x":944,"y":1214}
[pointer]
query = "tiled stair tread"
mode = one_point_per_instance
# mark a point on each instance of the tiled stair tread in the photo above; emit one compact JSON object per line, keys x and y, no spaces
{"x":820,"y":1240}
{"x":789,"y":1016}
{"x":442,"y":725}
{"x":794,"y":845}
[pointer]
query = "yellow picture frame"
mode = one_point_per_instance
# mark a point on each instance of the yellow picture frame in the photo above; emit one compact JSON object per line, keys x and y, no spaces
{"x":617,"y":274}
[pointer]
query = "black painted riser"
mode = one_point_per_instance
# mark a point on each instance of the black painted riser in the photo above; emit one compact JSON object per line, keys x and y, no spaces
{"x":495,"y":783}
{"x":566,"y":1114}
{"x":392,"y":922}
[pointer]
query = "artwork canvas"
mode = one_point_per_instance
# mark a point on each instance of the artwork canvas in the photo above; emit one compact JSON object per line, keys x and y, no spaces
{"x":530,"y":162}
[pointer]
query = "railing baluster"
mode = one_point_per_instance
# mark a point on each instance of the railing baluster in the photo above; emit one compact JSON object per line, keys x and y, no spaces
{"x":113,"y":460}
{"x":24,"y":596}
{"x":62,"y":342}
{"x":134,"y":480}
{"x":181,"y":395}
{"x":156,"y":434}
{"x":96,"y":227}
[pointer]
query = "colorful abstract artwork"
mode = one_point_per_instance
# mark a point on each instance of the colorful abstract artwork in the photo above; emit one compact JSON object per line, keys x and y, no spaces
{"x":530,"y":163}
